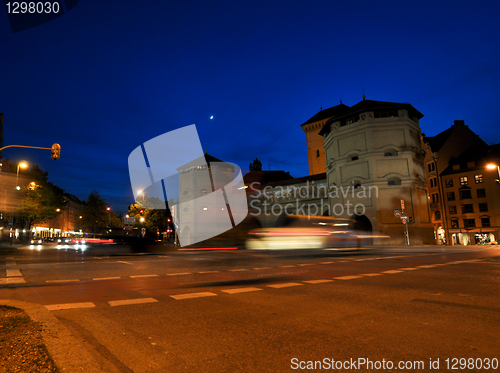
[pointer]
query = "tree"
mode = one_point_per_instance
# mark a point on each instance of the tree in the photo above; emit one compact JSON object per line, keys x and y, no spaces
{"x":42,"y":200}
{"x":155,"y":220}
{"x":256,"y":165}
{"x":94,"y":214}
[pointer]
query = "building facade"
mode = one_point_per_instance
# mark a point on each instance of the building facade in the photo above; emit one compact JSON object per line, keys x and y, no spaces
{"x":374,"y":166}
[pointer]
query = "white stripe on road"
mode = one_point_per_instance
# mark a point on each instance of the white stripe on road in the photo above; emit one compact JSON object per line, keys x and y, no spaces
{"x":317,"y":281}
{"x":240,"y":290}
{"x":306,"y":264}
{"x":289,"y":266}
{"x":208,"y":272}
{"x":392,"y":271}
{"x":238,"y":270}
{"x":124,"y":302}
{"x":326,"y":262}
{"x":140,"y":276}
{"x":106,"y":278}
{"x":193,"y":295}
{"x":178,"y":274}
{"x":72,"y":280}
{"x":285,"y":285}
{"x":408,"y":269}
{"x":426,"y":266}
{"x":119,"y":261}
{"x":346,"y":277}
{"x":12,"y":280}
{"x":372,"y":274}
{"x":13,"y":272}
{"x":68,"y":306}
{"x":263,"y":268}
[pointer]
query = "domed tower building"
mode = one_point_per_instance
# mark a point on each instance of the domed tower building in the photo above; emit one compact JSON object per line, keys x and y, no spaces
{"x":375,"y":169}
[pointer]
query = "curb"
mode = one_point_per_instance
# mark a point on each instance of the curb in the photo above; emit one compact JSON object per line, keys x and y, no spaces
{"x":68,"y":354}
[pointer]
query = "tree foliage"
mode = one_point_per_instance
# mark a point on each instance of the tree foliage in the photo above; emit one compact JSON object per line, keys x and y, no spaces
{"x":154,"y":219}
{"x":94,"y":214}
{"x":256,"y":165}
{"x":41,"y":199}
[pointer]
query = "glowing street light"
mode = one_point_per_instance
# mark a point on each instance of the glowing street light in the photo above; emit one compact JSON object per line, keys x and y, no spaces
{"x":492,"y":166}
{"x":21,"y":164}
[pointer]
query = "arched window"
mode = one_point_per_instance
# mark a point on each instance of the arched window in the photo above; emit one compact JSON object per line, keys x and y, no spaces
{"x":394,"y":181}
{"x":317,"y":153}
{"x":356,"y":184}
{"x":390,"y":153}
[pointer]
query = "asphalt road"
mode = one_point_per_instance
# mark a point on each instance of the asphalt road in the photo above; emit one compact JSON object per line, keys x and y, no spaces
{"x":241,"y":311}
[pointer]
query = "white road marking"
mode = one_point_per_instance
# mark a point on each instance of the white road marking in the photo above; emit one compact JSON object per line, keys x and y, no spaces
{"x":106,"y":278}
{"x":178,"y":274}
{"x":239,"y":270}
{"x":208,"y":272}
{"x":346,"y":277}
{"x":426,"y":266}
{"x":263,"y":268}
{"x":12,"y":280}
{"x":119,"y":261}
{"x":392,"y":271}
{"x":326,"y":262}
{"x":284,"y":285}
{"x":408,"y":269}
{"x":372,"y":274}
{"x":125,"y":302}
{"x":317,"y":281}
{"x":289,"y":266}
{"x":15,"y":272}
{"x":306,"y":264}
{"x":193,"y":295}
{"x":140,"y":276}
{"x":240,"y":290}
{"x":68,"y":306}
{"x":70,"y":280}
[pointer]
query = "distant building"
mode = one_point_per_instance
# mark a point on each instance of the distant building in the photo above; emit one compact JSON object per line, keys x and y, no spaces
{"x":375,"y":165}
{"x":471,"y":202}
{"x":439,"y":150}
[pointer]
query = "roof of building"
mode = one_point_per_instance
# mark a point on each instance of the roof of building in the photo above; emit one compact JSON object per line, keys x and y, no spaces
{"x":200,"y":162}
{"x":265,"y":177}
{"x":481,"y":156}
{"x":437,"y":142}
{"x":327,"y":113}
{"x":371,"y":105}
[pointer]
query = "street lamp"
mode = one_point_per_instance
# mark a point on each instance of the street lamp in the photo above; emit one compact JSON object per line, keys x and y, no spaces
{"x":109,"y":215}
{"x":492,"y":166}
{"x":21,"y":164}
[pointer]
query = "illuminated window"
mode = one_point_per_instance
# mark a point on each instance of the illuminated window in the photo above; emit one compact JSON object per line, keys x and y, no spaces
{"x":478,"y":178}
{"x":463,"y":180}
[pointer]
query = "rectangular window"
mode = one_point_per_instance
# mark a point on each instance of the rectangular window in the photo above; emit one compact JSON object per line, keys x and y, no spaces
{"x":478,"y":178}
{"x":449,"y":183}
{"x":467,"y":208}
{"x":431,"y":167}
{"x":437,"y":215}
{"x":463,"y":180}
{"x":483,"y":207}
{"x":450,"y":196}
{"x":454,"y":223}
{"x":465,"y":194}
{"x":469,"y":223}
{"x":433,"y":182}
{"x":435,"y":197}
{"x":485,"y":222}
{"x":453,"y":210}
{"x":481,"y":193}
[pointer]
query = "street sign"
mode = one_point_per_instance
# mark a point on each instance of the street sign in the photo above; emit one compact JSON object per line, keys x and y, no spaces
{"x":397,"y":213}
{"x":402,"y":204}
{"x":404,"y":221}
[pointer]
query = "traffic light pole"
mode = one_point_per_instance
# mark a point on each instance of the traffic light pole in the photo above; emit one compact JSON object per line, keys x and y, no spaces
{"x":56,"y":149}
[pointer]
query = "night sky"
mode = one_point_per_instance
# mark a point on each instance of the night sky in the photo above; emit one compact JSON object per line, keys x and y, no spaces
{"x":110,"y":75}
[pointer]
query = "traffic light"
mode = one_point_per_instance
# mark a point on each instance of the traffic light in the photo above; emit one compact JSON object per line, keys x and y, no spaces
{"x":108,"y":208}
{"x":56,"y":151}
{"x":169,"y":220}
{"x":142,"y":212}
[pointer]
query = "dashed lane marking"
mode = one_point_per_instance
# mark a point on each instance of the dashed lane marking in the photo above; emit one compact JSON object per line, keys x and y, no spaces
{"x":68,"y":306}
{"x":13,"y":272}
{"x":141,"y":276}
{"x":125,"y":302}
{"x":326,"y":262}
{"x":316,"y":281}
{"x":240,"y":290}
{"x":392,"y":271}
{"x":288,"y":266}
{"x":12,"y":280}
{"x":346,"y":277}
{"x":239,"y":270}
{"x":119,"y":261}
{"x":69,"y":280}
{"x":209,"y":272}
{"x":426,"y":266}
{"x":408,"y":269}
{"x":179,"y":274}
{"x":284,"y":285}
{"x":372,"y":274}
{"x":263,"y":268}
{"x":193,"y":295}
{"x":106,"y":278}
{"x":306,"y":264}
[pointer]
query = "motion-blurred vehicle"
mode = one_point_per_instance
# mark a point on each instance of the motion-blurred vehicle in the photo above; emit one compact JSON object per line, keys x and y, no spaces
{"x":36,"y":241}
{"x":307,"y":232}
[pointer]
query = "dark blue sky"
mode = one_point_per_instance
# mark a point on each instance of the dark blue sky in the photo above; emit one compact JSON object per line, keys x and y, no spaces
{"x":110,"y":75}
